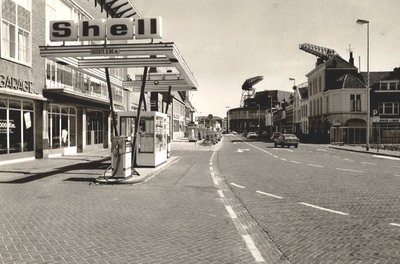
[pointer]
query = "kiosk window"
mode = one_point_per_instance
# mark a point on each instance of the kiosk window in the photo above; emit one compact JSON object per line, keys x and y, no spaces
{"x":147,"y":135}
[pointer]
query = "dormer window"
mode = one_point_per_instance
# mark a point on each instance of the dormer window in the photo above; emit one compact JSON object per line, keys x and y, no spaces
{"x":389,"y":86}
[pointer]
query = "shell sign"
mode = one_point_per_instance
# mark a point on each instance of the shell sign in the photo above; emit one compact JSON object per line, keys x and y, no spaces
{"x":106,"y":29}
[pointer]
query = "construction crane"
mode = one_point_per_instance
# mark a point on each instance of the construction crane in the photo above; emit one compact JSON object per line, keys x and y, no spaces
{"x":321,"y":52}
{"x":248,"y":90}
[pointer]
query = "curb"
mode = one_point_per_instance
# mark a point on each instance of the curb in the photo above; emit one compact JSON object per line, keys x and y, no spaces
{"x":366,"y":152}
{"x":144,"y":176}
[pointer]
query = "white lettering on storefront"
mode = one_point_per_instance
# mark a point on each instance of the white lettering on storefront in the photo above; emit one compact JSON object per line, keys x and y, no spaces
{"x":14,"y":83}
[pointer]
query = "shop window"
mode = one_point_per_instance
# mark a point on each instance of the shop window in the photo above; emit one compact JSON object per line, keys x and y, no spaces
{"x":62,"y":126}
{"x":16,"y":125}
{"x":3,"y":131}
{"x":94,"y":131}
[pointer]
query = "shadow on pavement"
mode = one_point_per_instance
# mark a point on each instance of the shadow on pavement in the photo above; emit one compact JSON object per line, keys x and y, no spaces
{"x":98,"y":164}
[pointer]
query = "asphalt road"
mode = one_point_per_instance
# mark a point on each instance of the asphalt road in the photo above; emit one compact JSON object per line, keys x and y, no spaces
{"x":317,"y":204}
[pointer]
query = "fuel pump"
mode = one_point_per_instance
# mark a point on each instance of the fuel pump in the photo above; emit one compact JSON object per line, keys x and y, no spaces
{"x":121,"y":160}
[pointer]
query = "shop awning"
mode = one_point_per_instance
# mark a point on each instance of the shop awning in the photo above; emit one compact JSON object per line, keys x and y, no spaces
{"x":86,"y":58}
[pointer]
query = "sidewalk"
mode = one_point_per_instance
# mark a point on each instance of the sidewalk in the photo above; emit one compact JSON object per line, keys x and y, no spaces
{"x":97,"y":161}
{"x":362,"y":149}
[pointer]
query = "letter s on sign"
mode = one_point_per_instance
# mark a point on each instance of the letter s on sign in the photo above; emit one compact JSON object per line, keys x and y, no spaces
{"x":63,"y":30}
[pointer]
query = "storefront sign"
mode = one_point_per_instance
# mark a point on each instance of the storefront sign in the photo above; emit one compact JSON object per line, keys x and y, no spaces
{"x":15,"y":83}
{"x":102,"y":29}
{"x":389,"y":120}
{"x":104,"y":51}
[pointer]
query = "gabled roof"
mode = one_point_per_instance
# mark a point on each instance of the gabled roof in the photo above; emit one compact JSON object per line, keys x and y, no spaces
{"x":350,"y":81}
{"x":338,"y":62}
{"x":376,"y":77}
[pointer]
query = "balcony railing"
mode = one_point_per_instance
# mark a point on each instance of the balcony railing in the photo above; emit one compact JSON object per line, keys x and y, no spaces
{"x":82,"y":84}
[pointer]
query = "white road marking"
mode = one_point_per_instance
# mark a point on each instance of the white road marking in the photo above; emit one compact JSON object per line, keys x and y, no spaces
{"x":283,"y":159}
{"x":253,"y":249}
{"x":284,"y":149}
{"x":325,"y":209}
{"x":313,"y":165}
{"x":237,"y":185}
{"x":242,"y":150}
{"x":349,"y":170}
{"x":348,"y":159}
{"x":335,"y":157}
{"x":369,"y":163}
{"x":385,"y":157}
{"x":394,"y":224}
{"x":295,"y":162}
{"x":240,"y":226}
{"x":231,"y":212}
{"x":272,"y":195}
{"x":322,"y":149}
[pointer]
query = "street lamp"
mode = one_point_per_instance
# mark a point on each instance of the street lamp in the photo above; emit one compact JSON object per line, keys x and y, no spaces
{"x":259,"y":119}
{"x":294,"y":83}
{"x":362,"y":22}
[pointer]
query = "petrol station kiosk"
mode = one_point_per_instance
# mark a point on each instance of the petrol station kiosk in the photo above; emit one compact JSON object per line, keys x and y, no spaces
{"x":152,"y":136}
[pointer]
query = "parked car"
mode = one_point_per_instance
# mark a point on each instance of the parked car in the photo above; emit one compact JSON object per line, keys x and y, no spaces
{"x":252,"y":135}
{"x":287,"y":140}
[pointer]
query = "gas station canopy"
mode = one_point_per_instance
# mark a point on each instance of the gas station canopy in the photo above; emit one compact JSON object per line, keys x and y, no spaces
{"x":118,"y":8}
{"x":87,"y":58}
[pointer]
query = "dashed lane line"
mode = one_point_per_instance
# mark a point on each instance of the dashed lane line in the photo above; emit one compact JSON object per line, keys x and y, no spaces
{"x":349,"y":170}
{"x":237,"y":185}
{"x":369,"y":163}
{"x":268,"y":194}
{"x":314,"y":165}
{"x":292,"y":161}
{"x":394,"y":224}
{"x":348,"y":159}
{"x":283,"y":159}
{"x":324,"y":209}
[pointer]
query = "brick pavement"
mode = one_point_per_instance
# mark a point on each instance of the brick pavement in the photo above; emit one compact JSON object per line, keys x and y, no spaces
{"x":52,"y":212}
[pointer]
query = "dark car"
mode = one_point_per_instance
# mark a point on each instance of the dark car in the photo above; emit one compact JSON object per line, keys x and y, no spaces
{"x":275,"y":135}
{"x":287,"y":140}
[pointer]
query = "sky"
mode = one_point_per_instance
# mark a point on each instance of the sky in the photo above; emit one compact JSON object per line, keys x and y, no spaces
{"x":225,"y":42}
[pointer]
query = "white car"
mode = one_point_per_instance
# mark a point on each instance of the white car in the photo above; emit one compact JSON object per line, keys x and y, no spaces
{"x":252,"y":135}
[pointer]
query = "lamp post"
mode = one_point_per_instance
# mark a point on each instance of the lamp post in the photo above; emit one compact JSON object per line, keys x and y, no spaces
{"x":294,"y":106}
{"x":294,"y":82}
{"x":259,"y":120}
{"x":362,"y":22}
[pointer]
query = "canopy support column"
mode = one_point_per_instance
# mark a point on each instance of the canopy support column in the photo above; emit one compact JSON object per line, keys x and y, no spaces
{"x":137,"y":121}
{"x":111,"y":103}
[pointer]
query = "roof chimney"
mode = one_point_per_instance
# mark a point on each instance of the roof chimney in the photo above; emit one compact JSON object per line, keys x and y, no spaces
{"x":351,"y":60}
